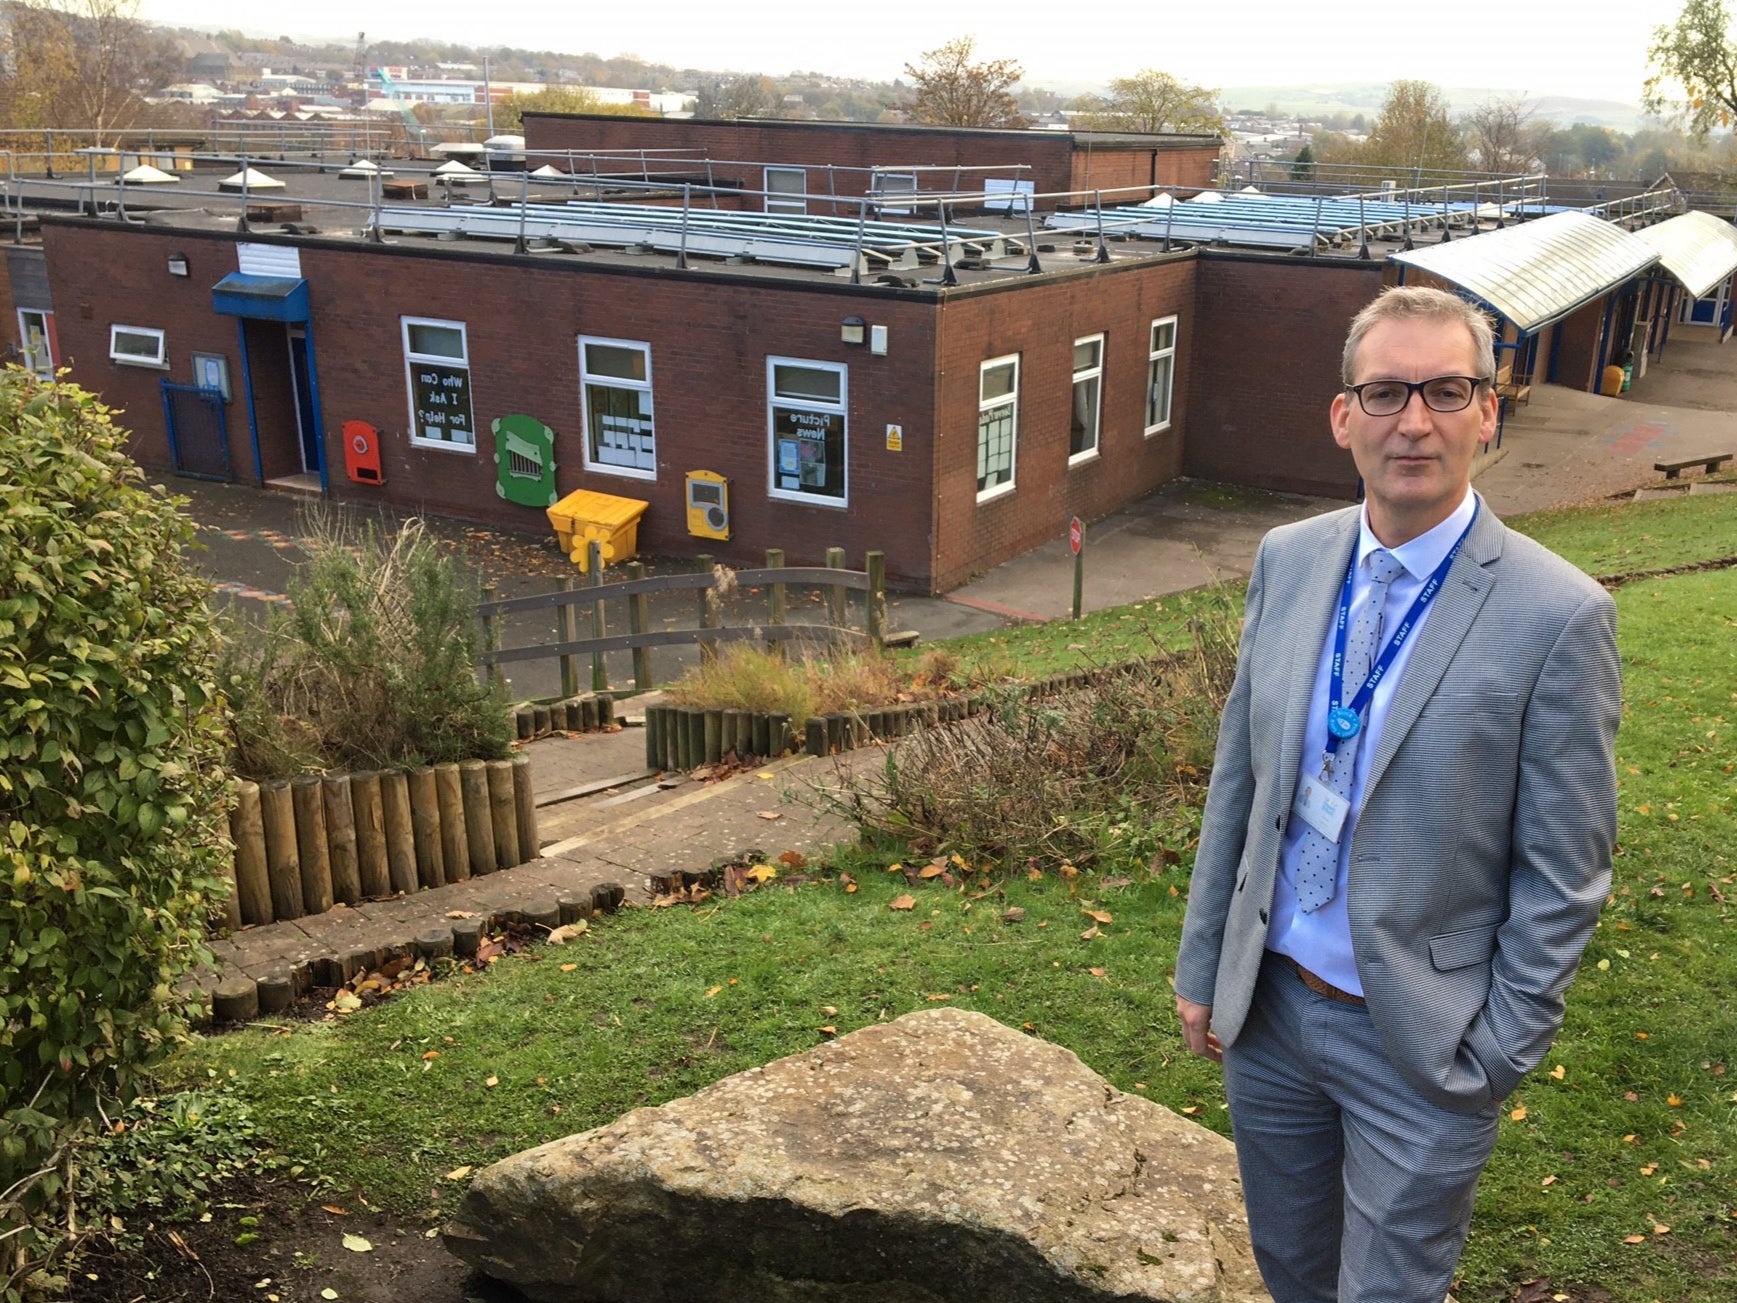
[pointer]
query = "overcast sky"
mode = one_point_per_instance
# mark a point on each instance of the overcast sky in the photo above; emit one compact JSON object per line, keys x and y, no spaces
{"x":1594,"y":48}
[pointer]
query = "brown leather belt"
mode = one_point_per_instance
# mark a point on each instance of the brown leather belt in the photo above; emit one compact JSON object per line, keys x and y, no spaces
{"x":1320,"y":985}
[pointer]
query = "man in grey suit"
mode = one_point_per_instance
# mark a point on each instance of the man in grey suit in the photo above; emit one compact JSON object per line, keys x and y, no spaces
{"x":1408,"y":834}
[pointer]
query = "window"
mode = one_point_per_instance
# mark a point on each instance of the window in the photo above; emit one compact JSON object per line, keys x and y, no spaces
{"x":997,"y":425}
{"x":786,"y":190}
{"x":1160,"y":374}
{"x":805,"y":411}
{"x":137,"y":346}
{"x":1088,"y":398}
{"x":437,"y":374}
{"x":886,"y":190}
{"x":615,"y":384}
{"x":36,"y":347}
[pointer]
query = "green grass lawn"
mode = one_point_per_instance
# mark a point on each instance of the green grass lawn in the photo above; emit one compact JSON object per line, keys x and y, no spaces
{"x":1627,"y":1133}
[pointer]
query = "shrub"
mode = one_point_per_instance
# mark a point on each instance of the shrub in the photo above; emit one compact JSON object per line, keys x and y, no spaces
{"x":111,"y":794}
{"x":374,"y":667}
{"x":1084,"y":777}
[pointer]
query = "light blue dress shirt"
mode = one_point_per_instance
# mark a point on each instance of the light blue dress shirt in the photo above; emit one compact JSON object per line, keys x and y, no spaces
{"x":1321,"y":941}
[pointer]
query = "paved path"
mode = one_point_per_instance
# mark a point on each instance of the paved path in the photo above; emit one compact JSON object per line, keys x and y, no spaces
{"x":1563,"y":447}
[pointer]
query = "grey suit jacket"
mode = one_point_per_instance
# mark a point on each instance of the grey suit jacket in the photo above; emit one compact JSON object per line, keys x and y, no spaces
{"x":1482,"y":853}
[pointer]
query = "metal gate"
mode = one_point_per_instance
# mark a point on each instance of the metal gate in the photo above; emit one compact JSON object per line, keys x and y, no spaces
{"x":198,"y":432}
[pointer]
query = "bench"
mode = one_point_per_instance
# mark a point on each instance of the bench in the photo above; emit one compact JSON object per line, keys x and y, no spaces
{"x":1517,"y":390}
{"x":1711,"y":462}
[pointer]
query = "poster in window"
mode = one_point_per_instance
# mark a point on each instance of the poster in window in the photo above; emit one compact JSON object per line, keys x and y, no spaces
{"x":809,"y":451}
{"x":442,"y":395}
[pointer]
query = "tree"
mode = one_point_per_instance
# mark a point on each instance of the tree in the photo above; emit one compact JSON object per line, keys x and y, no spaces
{"x":1154,"y":101}
{"x":1414,"y":130}
{"x":1303,"y":166}
{"x":1694,"y":56}
{"x":739,"y":96}
{"x":510,"y":112}
{"x":953,"y":91}
{"x":1503,"y":135}
{"x":80,"y":64}
{"x":111,"y":792}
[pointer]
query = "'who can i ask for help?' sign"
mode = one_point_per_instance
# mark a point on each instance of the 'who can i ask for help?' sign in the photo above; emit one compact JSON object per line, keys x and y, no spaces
{"x":442,"y":394}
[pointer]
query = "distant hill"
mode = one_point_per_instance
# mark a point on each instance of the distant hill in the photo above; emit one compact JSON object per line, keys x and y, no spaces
{"x":1366,"y":97}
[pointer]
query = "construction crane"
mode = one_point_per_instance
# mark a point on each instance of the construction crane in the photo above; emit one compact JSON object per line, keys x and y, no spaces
{"x":362,"y":61}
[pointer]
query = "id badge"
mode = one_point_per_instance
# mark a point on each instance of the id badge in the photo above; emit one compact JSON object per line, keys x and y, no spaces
{"x":1319,"y":806}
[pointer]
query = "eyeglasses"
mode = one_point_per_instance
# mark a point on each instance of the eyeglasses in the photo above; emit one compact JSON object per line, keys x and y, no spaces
{"x":1440,"y":394}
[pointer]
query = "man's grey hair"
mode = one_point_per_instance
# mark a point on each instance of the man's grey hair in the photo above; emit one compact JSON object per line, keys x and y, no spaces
{"x":1413,"y":303}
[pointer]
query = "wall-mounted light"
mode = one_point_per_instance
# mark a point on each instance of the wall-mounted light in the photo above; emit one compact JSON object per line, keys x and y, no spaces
{"x":178,"y":264}
{"x":852,"y":329}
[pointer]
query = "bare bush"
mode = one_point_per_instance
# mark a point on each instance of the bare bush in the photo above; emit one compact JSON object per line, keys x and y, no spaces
{"x":1086,"y":776}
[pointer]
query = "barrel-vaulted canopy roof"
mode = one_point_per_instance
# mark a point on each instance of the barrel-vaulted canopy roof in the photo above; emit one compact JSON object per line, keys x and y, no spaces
{"x":1539,"y":272}
{"x":1697,"y":248}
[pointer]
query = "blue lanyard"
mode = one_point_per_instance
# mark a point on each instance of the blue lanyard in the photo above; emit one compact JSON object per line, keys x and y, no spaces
{"x":1346,"y":721}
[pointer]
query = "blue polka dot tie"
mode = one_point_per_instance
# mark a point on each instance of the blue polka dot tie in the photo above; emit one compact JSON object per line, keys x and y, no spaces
{"x":1318,"y":858}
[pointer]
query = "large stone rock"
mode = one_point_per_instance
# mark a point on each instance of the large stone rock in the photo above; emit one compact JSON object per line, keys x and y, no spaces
{"x":941,"y":1156}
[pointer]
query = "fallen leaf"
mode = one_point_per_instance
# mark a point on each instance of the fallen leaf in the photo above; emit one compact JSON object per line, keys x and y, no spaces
{"x":1675,"y":1101}
{"x":712,"y":990}
{"x":902,"y":902}
{"x":1559,"y":1072}
{"x":1091,"y":933}
{"x":762,"y":873}
{"x":567,"y":931}
{"x":333,"y":1209}
{"x":1036,"y":875}
{"x":829,"y":1031}
{"x":830,"y":1011}
{"x":1634,"y":1239}
{"x":770,"y":814}
{"x":1659,"y":1228}
{"x":1192,"y":1109}
{"x":431,"y":1054}
{"x":1649,"y":1169}
{"x":1549,"y":1180}
{"x":461,"y":913}
{"x":935,"y":999}
{"x":328,"y":1293}
{"x":459,"y":1173}
{"x":764,"y":773}
{"x":346,"y":1002}
{"x":1098,"y":972}
{"x":793,"y":860}
{"x":568,"y":968}
{"x":491,"y":1082}
{"x":356,"y":1244}
{"x":1098,"y":915}
{"x":931,"y":871}
{"x":1518,"y":1115}
{"x":1013,"y":914}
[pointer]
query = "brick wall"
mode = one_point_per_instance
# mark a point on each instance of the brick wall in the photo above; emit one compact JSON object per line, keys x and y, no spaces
{"x":1266,"y":356}
{"x":1103,"y":168}
{"x":1056,"y":160}
{"x":710,"y":339}
{"x":1040,"y":322}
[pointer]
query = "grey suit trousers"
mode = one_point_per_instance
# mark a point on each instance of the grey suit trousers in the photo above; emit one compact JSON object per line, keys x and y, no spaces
{"x":1359,"y":1189}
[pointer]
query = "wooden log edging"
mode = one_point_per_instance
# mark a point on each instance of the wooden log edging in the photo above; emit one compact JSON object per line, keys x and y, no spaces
{"x":687,"y":737}
{"x":238,"y":997}
{"x":303,"y":846}
{"x":590,"y":712}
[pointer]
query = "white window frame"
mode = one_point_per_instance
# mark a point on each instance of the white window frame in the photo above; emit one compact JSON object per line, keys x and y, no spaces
{"x":586,"y":380}
{"x":1093,"y":375}
{"x":842,"y":408}
{"x":159,"y":361}
{"x":1154,"y":356}
{"x":889,"y":201}
{"x":786,"y":203}
{"x":43,"y":365}
{"x":411,"y":358}
{"x":986,"y":406}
